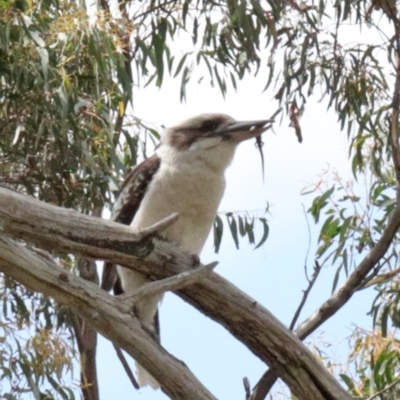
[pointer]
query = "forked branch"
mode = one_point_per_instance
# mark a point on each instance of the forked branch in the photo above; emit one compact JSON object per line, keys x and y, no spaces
{"x":69,"y":231}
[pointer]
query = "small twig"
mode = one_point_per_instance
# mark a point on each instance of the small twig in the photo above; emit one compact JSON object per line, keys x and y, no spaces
{"x":295,"y":114}
{"x":151,"y":10}
{"x":264,"y":385}
{"x":387,"y":388}
{"x":375,"y":271}
{"x":269,"y":378}
{"x":380,"y":279}
{"x":158,"y":227}
{"x":87,"y":345}
{"x":309,"y":242}
{"x":317,"y":269}
{"x":76,"y":325}
{"x":246,"y":385}
{"x":126,"y":366}
{"x":300,"y":8}
{"x":394,"y":120}
{"x":173,"y":283}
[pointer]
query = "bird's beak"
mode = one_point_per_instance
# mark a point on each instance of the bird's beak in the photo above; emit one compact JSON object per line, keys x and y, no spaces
{"x":243,"y":130}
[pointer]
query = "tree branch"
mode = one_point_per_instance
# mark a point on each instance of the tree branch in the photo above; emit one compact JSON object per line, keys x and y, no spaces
{"x":350,"y":286}
{"x":158,"y":227}
{"x":168,"y":284}
{"x":380,"y":279}
{"x":87,"y":338}
{"x":104,"y":313}
{"x":355,"y":280}
{"x":339,"y":298}
{"x":385,"y":389}
{"x":67,"y":230}
{"x":126,"y":367}
{"x":311,"y":282}
{"x":394,"y":120}
{"x":264,"y":385}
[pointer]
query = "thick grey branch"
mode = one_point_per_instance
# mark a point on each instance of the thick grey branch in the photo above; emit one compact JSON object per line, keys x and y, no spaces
{"x":104,"y":313}
{"x":67,"y":230}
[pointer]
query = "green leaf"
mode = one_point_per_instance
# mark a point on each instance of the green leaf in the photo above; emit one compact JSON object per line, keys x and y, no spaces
{"x":382,"y":367}
{"x":185,"y":10}
{"x":221,"y":82}
{"x":34,"y":388}
{"x":195,"y":30}
{"x":180,"y":65}
{"x":132,"y":142}
{"x":44,"y":58}
{"x":325,"y":228}
{"x":344,"y":228}
{"x":259,"y":11}
{"x":336,"y":279}
{"x":348,"y":381}
{"x":242,"y":229}
{"x":327,"y":194}
{"x":250,"y":231}
{"x":184,"y":81}
{"x":71,"y":393}
{"x":218,"y":231}
{"x":233,"y":228}
{"x":57,"y":387}
{"x":265,"y":233}
{"x":233,"y":81}
{"x":159,"y":45}
{"x":21,"y":307}
{"x":319,"y":203}
{"x":384,"y":321}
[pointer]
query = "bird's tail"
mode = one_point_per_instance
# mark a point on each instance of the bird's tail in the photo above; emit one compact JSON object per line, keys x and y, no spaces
{"x":150,"y":321}
{"x":144,"y":378}
{"x":147,"y":313}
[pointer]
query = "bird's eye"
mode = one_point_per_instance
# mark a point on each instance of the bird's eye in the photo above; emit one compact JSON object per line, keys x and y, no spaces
{"x":208,"y":126}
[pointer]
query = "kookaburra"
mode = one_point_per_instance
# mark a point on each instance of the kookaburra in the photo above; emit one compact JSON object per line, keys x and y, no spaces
{"x":185,"y":175}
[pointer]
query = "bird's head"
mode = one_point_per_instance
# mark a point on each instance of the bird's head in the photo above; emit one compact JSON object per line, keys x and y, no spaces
{"x":207,"y":131}
{"x":211,"y":138}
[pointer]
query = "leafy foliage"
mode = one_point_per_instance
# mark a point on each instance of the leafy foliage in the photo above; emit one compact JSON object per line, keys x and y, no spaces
{"x":242,"y":224}
{"x":376,"y":360}
{"x":351,"y":223}
{"x":68,"y":134}
{"x":36,"y":353}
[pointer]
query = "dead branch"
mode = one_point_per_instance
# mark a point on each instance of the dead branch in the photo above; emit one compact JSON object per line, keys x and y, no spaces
{"x":169,"y":284}
{"x":69,"y":231}
{"x":103,"y":312}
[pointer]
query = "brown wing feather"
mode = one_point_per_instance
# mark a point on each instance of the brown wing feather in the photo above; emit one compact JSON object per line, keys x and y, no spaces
{"x":128,"y":201}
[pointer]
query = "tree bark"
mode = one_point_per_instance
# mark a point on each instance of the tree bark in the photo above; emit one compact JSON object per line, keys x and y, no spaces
{"x":105,"y":313}
{"x":86,"y":338}
{"x":66,"y":230}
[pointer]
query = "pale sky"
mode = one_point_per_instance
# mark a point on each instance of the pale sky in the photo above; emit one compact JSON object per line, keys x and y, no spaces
{"x":273,"y":274}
